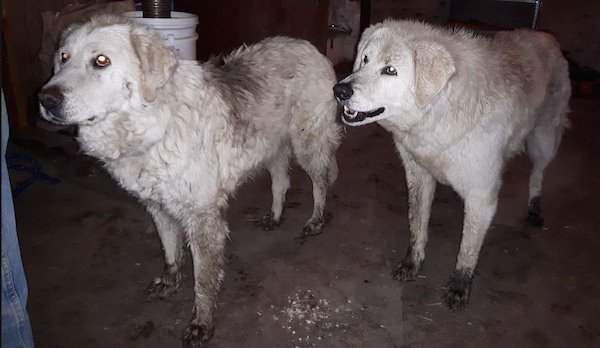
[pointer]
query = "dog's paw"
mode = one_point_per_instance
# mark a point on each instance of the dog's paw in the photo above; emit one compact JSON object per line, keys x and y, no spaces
{"x":160,"y":288}
{"x":267,"y":223}
{"x":197,"y":335}
{"x":534,"y":220}
{"x":313,"y":227}
{"x":405,"y":271}
{"x":458,"y":289}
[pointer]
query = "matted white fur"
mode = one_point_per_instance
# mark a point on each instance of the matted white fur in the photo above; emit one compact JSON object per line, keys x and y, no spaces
{"x":182,"y":136}
{"x":458,"y":106}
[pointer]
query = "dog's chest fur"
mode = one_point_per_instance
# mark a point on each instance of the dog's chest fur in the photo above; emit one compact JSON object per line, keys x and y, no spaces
{"x":426,"y":148}
{"x":143,"y":159}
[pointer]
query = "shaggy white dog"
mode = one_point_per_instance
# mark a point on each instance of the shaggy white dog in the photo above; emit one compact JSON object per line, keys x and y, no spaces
{"x":182,"y":136}
{"x":458,"y":107}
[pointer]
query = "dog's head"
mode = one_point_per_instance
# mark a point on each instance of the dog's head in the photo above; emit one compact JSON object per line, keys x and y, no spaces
{"x":101,"y":67}
{"x":396,"y":74}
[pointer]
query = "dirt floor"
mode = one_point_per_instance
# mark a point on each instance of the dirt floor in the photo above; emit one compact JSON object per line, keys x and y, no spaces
{"x":90,"y":251}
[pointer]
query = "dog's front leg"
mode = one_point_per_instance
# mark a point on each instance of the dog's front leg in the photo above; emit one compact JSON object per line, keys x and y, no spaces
{"x":480,"y":207}
{"x":421,"y":189}
{"x":207,"y":233}
{"x":171,"y":238}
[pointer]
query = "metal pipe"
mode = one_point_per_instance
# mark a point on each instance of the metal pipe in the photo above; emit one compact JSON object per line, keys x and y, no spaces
{"x":156,"y":8}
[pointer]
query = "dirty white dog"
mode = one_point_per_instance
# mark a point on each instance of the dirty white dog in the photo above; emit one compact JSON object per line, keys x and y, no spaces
{"x":182,"y":136}
{"x":458,"y":107}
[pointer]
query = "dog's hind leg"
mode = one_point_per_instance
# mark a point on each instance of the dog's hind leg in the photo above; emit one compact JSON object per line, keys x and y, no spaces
{"x":543,"y":141}
{"x":321,"y":166}
{"x":280,"y":183}
{"x":171,"y":238}
{"x":207,"y":233}
{"x":421,"y":189}
{"x":542,"y":145}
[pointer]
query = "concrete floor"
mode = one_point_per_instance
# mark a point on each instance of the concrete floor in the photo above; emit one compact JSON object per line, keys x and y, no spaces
{"x":89,"y":253}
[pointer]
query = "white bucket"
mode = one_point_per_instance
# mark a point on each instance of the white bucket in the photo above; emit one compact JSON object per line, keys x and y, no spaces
{"x":179,"y":31}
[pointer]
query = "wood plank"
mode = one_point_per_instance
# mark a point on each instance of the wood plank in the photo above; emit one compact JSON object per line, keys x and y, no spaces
{"x":227,"y":24}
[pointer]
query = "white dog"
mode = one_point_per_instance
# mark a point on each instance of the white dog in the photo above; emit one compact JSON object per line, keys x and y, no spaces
{"x":458,"y":107}
{"x":182,"y":136}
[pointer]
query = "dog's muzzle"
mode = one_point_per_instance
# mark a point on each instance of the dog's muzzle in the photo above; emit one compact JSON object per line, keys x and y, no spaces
{"x":343,"y":92}
{"x":51,"y":98}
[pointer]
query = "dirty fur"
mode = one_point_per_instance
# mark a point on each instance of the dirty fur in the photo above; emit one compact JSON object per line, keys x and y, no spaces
{"x":459,"y":106}
{"x":182,"y":136}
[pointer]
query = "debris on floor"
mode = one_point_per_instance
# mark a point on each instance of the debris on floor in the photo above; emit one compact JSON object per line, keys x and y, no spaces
{"x":309,"y":318}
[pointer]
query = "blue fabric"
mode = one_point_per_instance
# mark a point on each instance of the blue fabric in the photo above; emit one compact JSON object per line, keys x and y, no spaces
{"x":16,"y":330}
{"x":27,"y":164}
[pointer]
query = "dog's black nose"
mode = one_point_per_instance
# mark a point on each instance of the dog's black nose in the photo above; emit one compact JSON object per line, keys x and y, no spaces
{"x":343,"y":91}
{"x":51,"y":97}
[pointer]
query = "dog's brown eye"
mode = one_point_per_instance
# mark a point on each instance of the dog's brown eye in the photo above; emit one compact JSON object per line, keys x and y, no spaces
{"x":64,"y":57}
{"x":102,"y":60}
{"x":390,"y":70}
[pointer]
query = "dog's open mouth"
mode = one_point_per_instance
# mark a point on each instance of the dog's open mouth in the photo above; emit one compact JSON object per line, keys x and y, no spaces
{"x":352,"y":116}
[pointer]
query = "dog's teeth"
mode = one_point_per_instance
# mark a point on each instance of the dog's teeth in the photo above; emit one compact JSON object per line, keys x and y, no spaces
{"x":349,"y":112}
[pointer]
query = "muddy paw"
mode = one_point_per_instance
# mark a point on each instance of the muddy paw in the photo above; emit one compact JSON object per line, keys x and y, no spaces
{"x":457,"y":291}
{"x":405,"y":271}
{"x":534,"y":220}
{"x":267,"y":223}
{"x":313,"y":227}
{"x":197,"y":335}
{"x":161,"y":289}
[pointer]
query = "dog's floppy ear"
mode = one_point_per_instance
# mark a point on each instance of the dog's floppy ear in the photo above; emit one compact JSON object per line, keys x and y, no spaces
{"x":433,"y":67}
{"x":157,"y":62}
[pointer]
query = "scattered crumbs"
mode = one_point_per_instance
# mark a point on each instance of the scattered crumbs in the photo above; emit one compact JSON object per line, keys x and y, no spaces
{"x":306,"y":314}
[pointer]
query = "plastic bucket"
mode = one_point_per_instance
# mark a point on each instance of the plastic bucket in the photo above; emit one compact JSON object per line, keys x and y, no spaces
{"x":179,"y":31}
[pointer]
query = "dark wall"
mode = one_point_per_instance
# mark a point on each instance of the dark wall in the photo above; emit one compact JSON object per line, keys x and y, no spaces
{"x":432,"y":11}
{"x":226,"y":24}
{"x":496,"y":13}
{"x":21,"y":69}
{"x":575,"y":23}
